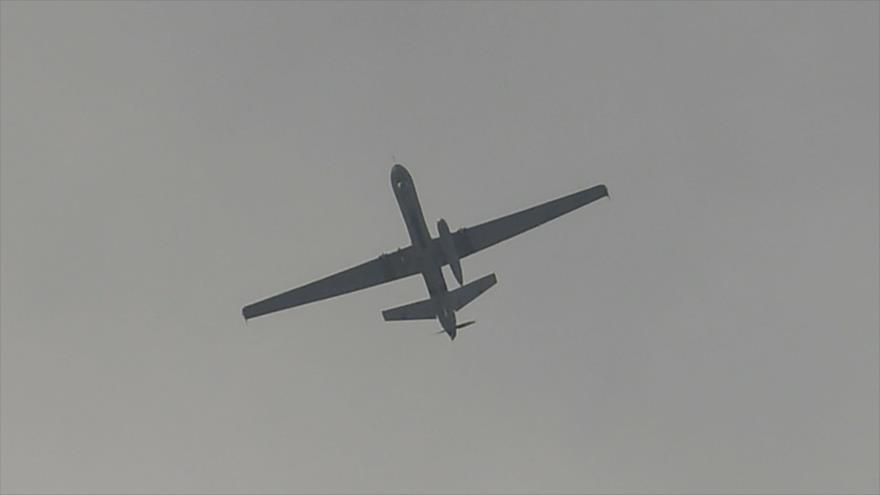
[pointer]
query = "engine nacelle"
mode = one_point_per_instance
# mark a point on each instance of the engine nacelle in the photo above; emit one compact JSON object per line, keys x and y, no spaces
{"x":449,"y":251}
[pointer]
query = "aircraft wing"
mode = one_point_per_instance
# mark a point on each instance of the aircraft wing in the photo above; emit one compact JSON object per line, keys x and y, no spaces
{"x":385,"y":268}
{"x":473,"y":239}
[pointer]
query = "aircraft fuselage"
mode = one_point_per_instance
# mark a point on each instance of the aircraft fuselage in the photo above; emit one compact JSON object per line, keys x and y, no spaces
{"x":431,"y":265}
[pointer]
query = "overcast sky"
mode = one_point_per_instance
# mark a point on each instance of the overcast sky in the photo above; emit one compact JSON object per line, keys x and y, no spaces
{"x":713,"y":327}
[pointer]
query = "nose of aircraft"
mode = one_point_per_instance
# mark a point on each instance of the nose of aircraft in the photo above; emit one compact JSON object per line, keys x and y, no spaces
{"x":399,"y":172}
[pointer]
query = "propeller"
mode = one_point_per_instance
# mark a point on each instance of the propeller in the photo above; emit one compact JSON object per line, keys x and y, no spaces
{"x":458,"y":327}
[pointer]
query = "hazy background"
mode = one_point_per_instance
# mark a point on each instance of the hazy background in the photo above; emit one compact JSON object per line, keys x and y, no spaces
{"x":711,"y":328}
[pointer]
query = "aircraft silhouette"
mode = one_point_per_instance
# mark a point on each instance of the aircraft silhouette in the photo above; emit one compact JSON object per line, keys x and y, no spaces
{"x":427,"y":255}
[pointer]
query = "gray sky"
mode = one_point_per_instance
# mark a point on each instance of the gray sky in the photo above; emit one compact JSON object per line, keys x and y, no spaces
{"x":713,"y":327}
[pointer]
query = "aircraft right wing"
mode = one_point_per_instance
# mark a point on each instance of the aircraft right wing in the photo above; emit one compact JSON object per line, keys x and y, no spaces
{"x":474,"y":239}
{"x":385,"y":268}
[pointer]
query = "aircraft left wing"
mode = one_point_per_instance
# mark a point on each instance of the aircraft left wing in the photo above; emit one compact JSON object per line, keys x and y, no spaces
{"x":474,"y":239}
{"x":385,"y":268}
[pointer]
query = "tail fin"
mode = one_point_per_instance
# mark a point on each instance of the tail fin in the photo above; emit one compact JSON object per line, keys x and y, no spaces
{"x":421,"y":310}
{"x":467,"y":293}
{"x":425,"y":310}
